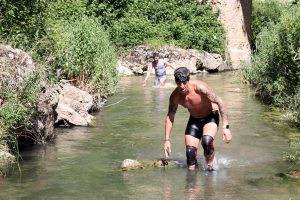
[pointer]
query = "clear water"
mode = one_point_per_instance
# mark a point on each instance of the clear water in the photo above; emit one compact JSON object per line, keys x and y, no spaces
{"x":84,"y":162}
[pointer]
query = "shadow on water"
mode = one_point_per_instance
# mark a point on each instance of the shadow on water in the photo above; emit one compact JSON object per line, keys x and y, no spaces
{"x":84,"y":162}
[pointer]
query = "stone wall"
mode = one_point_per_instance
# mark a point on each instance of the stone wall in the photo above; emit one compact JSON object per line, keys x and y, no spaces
{"x":235,"y":15}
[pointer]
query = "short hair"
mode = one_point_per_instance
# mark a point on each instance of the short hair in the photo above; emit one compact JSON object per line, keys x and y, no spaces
{"x":182,"y":74}
{"x":155,"y":55}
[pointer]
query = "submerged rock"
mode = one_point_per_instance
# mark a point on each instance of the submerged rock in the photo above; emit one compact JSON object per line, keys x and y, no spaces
{"x":6,"y":160}
{"x":129,"y":164}
{"x":73,"y":105}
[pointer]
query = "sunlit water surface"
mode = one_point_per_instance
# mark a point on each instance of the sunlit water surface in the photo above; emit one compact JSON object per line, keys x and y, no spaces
{"x":84,"y":162}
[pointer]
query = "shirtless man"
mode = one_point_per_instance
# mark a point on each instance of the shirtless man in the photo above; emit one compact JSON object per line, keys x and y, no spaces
{"x":160,"y":70}
{"x":203,"y":105}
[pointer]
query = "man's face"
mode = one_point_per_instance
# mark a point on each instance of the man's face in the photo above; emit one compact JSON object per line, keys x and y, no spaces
{"x":183,"y":86}
{"x":156,"y":58}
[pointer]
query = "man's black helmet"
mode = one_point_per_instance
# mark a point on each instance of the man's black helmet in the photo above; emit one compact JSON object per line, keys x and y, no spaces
{"x":182,"y":74}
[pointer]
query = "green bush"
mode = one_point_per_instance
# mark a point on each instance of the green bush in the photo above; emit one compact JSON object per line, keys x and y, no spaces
{"x":18,"y":103}
{"x":66,"y":10}
{"x":275,"y":69}
{"x":22,"y":22}
{"x":264,"y":13}
{"x":83,"y":51}
{"x":184,"y":23}
{"x":293,"y":155}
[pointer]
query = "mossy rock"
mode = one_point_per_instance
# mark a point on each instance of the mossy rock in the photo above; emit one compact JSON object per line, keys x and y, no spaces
{"x":129,"y":164}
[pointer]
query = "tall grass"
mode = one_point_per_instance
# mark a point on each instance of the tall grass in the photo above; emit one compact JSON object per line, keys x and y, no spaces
{"x":84,"y":53}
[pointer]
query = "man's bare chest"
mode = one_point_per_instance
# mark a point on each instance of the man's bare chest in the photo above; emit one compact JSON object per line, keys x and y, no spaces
{"x":192,"y":101}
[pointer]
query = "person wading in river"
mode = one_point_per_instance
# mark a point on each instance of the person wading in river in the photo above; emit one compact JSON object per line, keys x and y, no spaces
{"x":159,"y":66}
{"x":204,"y":107}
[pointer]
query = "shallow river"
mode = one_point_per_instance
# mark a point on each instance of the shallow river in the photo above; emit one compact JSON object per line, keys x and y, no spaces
{"x":83,"y":163}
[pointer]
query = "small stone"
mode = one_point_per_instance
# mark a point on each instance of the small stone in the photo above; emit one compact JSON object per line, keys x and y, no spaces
{"x":128,"y":164}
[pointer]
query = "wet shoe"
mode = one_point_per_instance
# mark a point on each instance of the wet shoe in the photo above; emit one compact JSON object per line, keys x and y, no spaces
{"x":210,"y":168}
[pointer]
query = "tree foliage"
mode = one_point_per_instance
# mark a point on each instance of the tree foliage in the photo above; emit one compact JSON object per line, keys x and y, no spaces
{"x":184,"y":23}
{"x":22,"y":22}
{"x":83,"y":51}
{"x":275,"y":69}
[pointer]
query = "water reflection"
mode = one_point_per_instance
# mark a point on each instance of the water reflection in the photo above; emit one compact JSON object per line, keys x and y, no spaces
{"x":198,"y":185}
{"x":159,"y":99}
{"x":156,"y":98}
{"x":192,"y":187}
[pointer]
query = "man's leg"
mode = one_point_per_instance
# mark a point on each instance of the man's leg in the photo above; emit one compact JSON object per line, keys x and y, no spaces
{"x":162,"y":80}
{"x":191,"y":151}
{"x":156,"y":81}
{"x":209,"y":132}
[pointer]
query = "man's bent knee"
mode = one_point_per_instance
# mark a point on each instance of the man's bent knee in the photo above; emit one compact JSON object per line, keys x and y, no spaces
{"x":208,"y":145}
{"x":191,"y":155}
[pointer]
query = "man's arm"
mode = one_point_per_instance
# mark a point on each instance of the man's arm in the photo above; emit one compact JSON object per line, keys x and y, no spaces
{"x":169,"y":64}
{"x":216,"y":99}
{"x":168,"y":125}
{"x":150,"y":67}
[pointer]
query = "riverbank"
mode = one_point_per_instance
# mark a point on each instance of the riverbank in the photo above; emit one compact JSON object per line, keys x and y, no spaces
{"x":291,"y":131}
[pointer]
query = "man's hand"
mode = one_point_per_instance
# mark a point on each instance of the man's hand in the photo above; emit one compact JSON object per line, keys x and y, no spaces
{"x":227,"y":135}
{"x":167,"y":148}
{"x":144,"y":82}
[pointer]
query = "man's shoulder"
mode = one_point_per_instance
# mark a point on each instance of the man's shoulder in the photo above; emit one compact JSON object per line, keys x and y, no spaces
{"x":198,"y":85}
{"x":198,"y":82}
{"x":195,"y":81}
{"x":174,"y":95}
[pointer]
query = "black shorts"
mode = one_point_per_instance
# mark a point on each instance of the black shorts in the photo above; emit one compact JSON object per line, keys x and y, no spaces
{"x":195,"y":125}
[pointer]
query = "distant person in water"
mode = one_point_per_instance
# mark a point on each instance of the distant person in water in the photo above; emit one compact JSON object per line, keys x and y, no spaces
{"x":159,"y":66}
{"x":204,"y":107}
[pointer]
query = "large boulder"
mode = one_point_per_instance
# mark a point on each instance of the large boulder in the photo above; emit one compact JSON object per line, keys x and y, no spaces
{"x":16,"y":66}
{"x":139,"y":59}
{"x":73,"y":105}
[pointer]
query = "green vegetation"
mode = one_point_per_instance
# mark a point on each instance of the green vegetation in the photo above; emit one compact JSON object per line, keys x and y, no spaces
{"x":22,"y":23}
{"x":19,"y":103}
{"x":84,"y":53}
{"x":275,"y":68}
{"x":264,"y":13}
{"x":183,"y":23}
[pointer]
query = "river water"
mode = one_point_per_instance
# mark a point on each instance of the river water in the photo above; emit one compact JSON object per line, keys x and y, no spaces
{"x":84,"y":162}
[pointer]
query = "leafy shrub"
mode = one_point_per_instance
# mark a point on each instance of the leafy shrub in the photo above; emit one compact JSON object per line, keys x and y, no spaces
{"x":66,"y":10}
{"x":184,"y":23}
{"x":22,"y":23}
{"x":84,"y":53}
{"x":275,"y":69}
{"x":263,"y":14}
{"x":18,"y":102}
{"x":293,"y":155}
